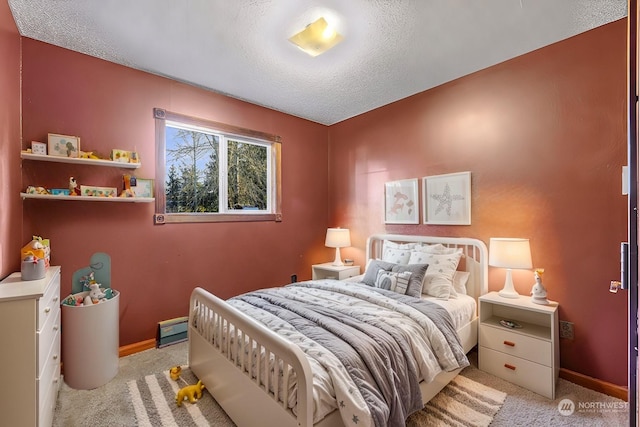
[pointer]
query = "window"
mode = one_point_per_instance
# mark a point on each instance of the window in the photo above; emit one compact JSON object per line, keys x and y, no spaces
{"x":210,"y":172}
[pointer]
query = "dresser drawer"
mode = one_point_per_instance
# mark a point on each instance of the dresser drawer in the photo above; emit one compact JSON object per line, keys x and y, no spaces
{"x":49,"y":302}
{"x":515,"y":344}
{"x":50,"y":369}
{"x":46,"y":338}
{"x":533,"y":376}
{"x":48,"y":405}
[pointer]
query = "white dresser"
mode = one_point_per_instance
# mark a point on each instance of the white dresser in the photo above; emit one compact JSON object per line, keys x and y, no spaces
{"x":528,"y":356}
{"x":30,"y":355}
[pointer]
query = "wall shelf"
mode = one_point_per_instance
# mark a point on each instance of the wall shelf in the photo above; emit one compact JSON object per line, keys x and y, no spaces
{"x":78,"y":161}
{"x":88,"y":198}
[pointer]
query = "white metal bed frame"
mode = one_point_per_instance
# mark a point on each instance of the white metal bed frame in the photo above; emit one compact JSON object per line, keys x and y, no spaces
{"x":219,"y":335}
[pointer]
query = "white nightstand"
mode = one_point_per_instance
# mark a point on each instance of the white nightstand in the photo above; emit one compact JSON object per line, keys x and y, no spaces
{"x":527,"y":356}
{"x":328,"y":271}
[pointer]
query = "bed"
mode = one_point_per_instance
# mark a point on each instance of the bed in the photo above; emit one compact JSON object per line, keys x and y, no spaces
{"x":259,"y":377}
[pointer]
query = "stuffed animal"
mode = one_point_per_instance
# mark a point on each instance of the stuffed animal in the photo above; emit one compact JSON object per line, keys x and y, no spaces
{"x":73,"y":187}
{"x":174,"y":372}
{"x":95,"y":293}
{"x":192,"y":392}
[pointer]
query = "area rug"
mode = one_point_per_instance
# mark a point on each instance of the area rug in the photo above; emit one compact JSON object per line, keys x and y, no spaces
{"x":154,"y":402}
{"x":463,"y":402}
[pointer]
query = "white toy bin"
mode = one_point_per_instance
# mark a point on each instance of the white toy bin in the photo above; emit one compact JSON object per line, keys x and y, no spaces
{"x":90,"y":341}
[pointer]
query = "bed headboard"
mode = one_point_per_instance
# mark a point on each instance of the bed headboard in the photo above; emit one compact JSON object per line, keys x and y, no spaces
{"x":476,"y":256}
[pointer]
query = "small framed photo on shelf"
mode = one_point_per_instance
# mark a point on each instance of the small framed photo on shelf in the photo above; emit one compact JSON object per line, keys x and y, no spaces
{"x":447,"y":199}
{"x":38,"y":148}
{"x":401,"y":202}
{"x":143,"y":187}
{"x":64,"y":145}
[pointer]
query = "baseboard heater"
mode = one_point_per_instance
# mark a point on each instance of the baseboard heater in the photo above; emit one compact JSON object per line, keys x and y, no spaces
{"x":172,"y":331}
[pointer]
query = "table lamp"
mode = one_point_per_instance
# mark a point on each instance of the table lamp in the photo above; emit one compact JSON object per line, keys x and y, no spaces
{"x":337,"y":238}
{"x":509,"y":253}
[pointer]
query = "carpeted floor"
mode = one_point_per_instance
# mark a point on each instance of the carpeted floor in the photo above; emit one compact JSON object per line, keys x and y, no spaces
{"x":110,"y":405}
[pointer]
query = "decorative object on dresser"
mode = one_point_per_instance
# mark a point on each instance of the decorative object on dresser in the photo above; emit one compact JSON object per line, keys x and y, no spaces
{"x":538,"y":292}
{"x":508,"y":252}
{"x":30,"y":311}
{"x":337,"y":238}
{"x":518,"y":342}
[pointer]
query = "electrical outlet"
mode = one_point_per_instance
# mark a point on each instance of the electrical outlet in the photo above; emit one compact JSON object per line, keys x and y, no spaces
{"x":566,"y":329}
{"x":294,"y":278}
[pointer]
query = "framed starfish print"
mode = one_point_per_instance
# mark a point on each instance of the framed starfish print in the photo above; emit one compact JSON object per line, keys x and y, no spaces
{"x":447,"y":199}
{"x":401,"y":202}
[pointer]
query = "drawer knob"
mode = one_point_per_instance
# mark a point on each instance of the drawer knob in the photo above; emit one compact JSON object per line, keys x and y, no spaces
{"x":55,"y":327}
{"x":506,"y":365}
{"x":55,"y":299}
{"x":509,"y":343}
{"x":47,"y":309}
{"x":55,"y":357}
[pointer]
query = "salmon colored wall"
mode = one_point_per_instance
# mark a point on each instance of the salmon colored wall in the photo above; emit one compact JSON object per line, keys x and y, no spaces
{"x":156,"y":266}
{"x":10,"y":206}
{"x":544,"y":136}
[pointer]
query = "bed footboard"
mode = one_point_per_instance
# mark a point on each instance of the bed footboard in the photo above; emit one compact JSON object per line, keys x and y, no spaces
{"x":245,"y":366}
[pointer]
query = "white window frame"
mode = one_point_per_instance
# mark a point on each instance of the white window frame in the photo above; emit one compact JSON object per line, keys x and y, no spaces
{"x":224,"y":132}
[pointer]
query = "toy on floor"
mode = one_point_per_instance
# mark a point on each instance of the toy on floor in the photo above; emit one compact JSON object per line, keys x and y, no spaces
{"x":192,"y":392}
{"x":174,"y":372}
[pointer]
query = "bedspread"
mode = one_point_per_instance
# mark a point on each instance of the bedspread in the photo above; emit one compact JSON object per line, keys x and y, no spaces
{"x":374,"y":345}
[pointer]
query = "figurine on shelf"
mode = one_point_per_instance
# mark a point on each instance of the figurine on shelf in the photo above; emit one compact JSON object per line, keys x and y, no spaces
{"x":73,"y":187}
{"x":538,"y":292}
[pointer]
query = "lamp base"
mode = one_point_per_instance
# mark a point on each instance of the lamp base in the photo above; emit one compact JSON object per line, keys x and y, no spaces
{"x":338,"y":261}
{"x":508,"y":294}
{"x":508,"y":291}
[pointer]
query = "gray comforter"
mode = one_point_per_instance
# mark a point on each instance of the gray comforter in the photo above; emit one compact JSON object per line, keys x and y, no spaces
{"x":367,"y":330}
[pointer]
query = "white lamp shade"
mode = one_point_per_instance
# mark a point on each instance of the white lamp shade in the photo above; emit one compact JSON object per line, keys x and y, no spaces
{"x":337,"y":238}
{"x":509,"y":252}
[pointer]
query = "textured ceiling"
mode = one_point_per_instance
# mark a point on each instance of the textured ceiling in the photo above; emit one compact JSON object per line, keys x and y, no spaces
{"x":392,"y":48}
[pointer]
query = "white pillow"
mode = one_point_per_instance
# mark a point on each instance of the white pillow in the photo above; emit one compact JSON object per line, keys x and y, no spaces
{"x":438,"y":281}
{"x":437,"y":248}
{"x":394,"y":245}
{"x":460,"y":279}
{"x":396,"y":256}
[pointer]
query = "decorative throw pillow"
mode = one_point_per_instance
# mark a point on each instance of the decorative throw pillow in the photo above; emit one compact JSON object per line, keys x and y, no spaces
{"x":460,"y":279}
{"x":438,"y":281}
{"x":371,"y":273}
{"x":396,"y":282}
{"x":418,"y":272}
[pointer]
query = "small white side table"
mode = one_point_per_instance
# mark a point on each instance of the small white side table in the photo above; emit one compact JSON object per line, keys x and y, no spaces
{"x":328,"y":271}
{"x":527,"y":356}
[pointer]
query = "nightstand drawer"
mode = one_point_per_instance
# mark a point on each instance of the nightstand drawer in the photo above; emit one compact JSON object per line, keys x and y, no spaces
{"x":515,"y":344}
{"x":533,"y":376}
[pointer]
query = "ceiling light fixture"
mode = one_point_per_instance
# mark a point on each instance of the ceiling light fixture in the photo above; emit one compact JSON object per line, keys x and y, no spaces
{"x":317,"y":37}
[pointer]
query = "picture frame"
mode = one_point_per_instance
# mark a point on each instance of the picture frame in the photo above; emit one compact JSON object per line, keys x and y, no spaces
{"x":63,"y":145}
{"x":401,"y":202}
{"x":447,"y":199}
{"x":39,"y":148}
{"x":143,"y":187}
